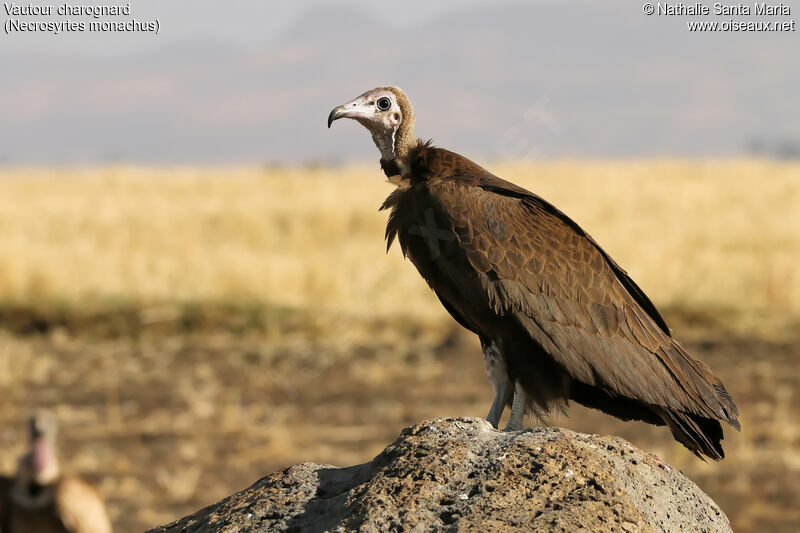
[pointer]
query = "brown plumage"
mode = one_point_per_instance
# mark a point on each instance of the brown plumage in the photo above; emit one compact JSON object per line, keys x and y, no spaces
{"x":39,"y":499}
{"x":558,"y":319}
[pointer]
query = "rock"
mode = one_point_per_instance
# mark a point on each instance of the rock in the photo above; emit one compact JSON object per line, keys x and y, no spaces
{"x":462,"y":475}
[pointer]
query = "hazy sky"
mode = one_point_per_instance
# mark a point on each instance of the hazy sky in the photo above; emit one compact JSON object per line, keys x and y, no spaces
{"x":253,"y":81}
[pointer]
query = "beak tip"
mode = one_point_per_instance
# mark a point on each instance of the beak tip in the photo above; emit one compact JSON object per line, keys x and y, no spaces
{"x":332,"y":117}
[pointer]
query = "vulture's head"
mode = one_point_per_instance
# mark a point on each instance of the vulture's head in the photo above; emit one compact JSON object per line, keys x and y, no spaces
{"x":387,"y":113}
{"x":40,"y":464}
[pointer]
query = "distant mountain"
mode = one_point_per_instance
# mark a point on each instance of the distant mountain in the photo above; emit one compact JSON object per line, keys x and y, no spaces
{"x":542,"y":80}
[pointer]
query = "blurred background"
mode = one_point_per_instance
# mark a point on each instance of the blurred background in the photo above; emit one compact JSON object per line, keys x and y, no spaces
{"x":192,"y":267}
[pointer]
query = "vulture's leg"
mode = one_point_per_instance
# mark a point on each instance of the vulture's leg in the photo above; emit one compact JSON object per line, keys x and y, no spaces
{"x":502,"y":393}
{"x":497,"y":372}
{"x":517,"y":409}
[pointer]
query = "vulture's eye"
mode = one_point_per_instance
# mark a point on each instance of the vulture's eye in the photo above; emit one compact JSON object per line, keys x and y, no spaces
{"x":384,"y":103}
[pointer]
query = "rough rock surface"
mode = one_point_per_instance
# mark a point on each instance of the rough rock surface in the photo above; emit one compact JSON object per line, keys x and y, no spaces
{"x":462,"y":475}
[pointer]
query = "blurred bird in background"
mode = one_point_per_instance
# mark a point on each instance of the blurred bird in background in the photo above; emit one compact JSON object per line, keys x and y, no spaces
{"x":40,"y":499}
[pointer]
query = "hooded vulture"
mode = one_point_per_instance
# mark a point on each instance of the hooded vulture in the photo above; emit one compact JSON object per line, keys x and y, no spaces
{"x":40,"y":499}
{"x":558,"y":319}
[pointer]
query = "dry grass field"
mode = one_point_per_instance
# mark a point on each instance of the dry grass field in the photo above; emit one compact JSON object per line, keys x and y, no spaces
{"x":196,"y":329}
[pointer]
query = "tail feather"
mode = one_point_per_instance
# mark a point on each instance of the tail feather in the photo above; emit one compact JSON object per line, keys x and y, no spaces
{"x":701,"y":435}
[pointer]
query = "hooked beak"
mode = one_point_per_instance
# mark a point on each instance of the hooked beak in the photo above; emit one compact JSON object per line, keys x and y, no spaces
{"x":357,"y":109}
{"x":337,"y":113}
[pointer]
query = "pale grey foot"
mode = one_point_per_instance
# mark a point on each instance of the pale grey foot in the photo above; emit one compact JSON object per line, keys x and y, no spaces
{"x":517,"y":410}
{"x":501,"y":395}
